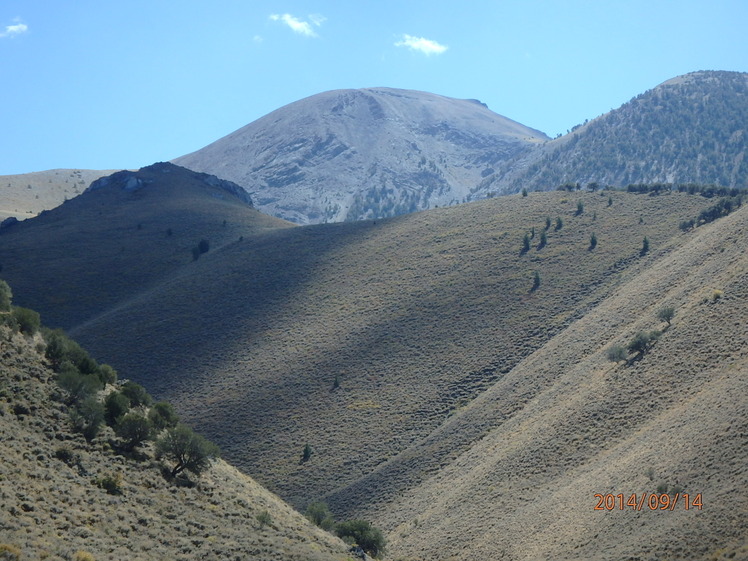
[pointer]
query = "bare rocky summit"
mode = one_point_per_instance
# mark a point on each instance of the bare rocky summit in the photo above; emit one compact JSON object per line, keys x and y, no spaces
{"x":353,"y":154}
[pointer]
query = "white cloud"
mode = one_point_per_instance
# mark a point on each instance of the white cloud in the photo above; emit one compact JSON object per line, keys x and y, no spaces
{"x":17,"y":28}
{"x":421,"y":44}
{"x":299,"y":26}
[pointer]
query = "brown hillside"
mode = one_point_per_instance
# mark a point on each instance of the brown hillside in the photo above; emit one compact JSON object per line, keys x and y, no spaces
{"x":567,"y":423}
{"x":50,"y":509}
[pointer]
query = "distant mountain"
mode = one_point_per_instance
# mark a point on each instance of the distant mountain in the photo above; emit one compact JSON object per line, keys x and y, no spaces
{"x":353,"y":154}
{"x":25,"y":195}
{"x":691,"y":129}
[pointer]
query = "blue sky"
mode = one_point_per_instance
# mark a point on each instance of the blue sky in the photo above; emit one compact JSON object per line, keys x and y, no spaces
{"x":110,"y":84}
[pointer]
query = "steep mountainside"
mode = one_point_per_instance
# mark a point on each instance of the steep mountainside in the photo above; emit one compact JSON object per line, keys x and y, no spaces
{"x":352,"y":154}
{"x":25,"y":195}
{"x":52,"y":508}
{"x":445,"y":394}
{"x":139,"y":228}
{"x":693,"y":128}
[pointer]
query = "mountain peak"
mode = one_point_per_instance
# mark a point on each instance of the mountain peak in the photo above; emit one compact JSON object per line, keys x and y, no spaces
{"x":364,"y":153}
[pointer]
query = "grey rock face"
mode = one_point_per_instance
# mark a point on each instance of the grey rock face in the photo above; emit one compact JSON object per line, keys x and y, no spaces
{"x":355,"y":154}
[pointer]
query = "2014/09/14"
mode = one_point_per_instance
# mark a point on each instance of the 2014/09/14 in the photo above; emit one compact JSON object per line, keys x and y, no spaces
{"x":653,"y":501}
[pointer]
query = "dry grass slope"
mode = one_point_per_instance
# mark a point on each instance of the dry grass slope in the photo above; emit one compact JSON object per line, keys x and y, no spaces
{"x":51,"y":510}
{"x":26,"y":195}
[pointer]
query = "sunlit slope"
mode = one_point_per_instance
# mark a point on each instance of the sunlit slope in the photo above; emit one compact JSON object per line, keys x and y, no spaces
{"x":108,"y":245}
{"x":361,"y":339}
{"x":567,"y":423}
{"x":27,"y":194}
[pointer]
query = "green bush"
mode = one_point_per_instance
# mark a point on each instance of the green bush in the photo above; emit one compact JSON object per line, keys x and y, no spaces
{"x":319,"y":514}
{"x":264,"y":518}
{"x":666,"y":313}
{"x":116,"y":405}
{"x":87,"y":417}
{"x":136,"y":394}
{"x":559,"y":223}
{"x":79,"y":386}
{"x":593,"y":242}
{"x":188,"y":450}
{"x":28,"y":321}
{"x":617,"y":353}
{"x":363,"y":534}
{"x":163,"y":416}
{"x":112,"y":484}
{"x":133,"y":429}
{"x":6,"y":296}
{"x":9,"y":552}
{"x":643,"y":341}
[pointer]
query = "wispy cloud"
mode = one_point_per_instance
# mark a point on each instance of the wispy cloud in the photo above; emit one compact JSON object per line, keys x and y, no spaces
{"x":421,"y":44}
{"x":300,"y":26}
{"x":14,"y":30}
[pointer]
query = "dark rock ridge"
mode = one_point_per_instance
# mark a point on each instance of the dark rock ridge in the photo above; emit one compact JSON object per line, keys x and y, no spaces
{"x":368,"y":153}
{"x":131,"y":181}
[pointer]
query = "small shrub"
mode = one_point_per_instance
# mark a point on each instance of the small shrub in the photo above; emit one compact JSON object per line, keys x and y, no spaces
{"x":264,"y":518}
{"x":716,"y":295}
{"x":319,"y":514}
{"x":593,"y":242}
{"x":666,"y":313}
{"x":524,"y":192}
{"x":112,"y":484}
{"x":535,"y":282}
{"x":116,"y":405}
{"x":136,"y":394}
{"x":547,"y":222}
{"x":363,"y":534}
{"x":617,"y":353}
{"x":133,"y":429}
{"x":662,"y":488}
{"x":83,"y":556}
{"x":188,"y":450}
{"x":645,"y":246}
{"x":543,"y":240}
{"x":163,"y":416}
{"x":580,"y":208}
{"x":559,"y":223}
{"x":306,"y":453}
{"x":28,"y":321}
{"x":6,"y":296}
{"x":66,"y":455}
{"x":643,"y":341}
{"x":107,"y":374}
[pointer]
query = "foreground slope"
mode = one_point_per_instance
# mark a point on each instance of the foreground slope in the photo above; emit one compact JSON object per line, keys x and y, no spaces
{"x":368,"y":153}
{"x":126,"y":233}
{"x":52,"y":509}
{"x":692,"y":128}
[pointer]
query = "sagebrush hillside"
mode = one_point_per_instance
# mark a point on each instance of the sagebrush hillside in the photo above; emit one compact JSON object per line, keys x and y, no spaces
{"x":692,"y":128}
{"x":52,"y":504}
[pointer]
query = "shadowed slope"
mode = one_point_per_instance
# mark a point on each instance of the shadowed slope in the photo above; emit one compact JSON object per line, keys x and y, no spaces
{"x":113,"y":242}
